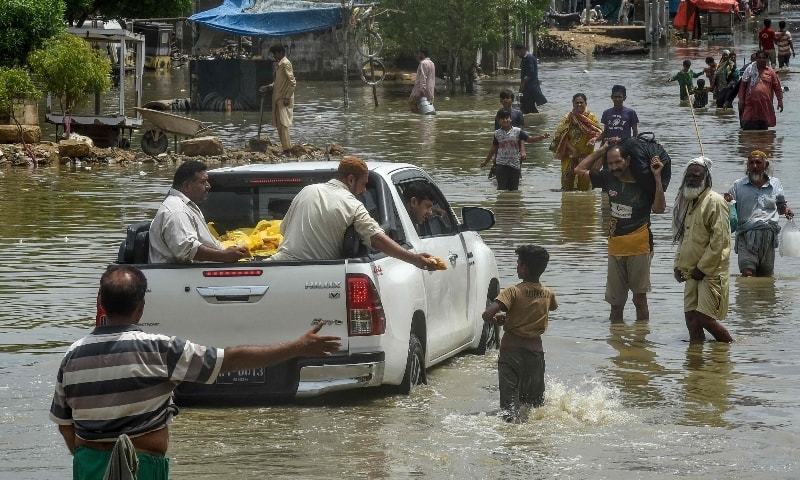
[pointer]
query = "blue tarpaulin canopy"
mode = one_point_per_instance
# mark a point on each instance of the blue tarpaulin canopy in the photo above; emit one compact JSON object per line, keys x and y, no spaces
{"x":271,"y":18}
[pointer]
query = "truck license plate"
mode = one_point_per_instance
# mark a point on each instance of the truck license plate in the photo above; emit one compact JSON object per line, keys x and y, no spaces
{"x":252,"y":375}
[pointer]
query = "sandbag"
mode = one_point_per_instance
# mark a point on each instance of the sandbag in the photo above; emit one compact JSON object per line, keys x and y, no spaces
{"x":640,"y":150}
{"x":789,"y":245}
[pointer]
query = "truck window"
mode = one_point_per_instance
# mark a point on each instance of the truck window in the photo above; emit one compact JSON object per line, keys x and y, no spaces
{"x":442,"y":222}
{"x":241,"y":201}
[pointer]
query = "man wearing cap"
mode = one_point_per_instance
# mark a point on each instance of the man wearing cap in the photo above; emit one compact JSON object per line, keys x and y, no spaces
{"x":701,"y":228}
{"x":759,"y":202}
{"x":315,"y":224}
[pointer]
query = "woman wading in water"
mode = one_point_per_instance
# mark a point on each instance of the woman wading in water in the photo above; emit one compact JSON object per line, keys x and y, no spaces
{"x":573,"y":140}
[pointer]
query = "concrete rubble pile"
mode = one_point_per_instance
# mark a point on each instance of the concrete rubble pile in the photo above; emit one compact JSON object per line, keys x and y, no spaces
{"x":212,"y":152}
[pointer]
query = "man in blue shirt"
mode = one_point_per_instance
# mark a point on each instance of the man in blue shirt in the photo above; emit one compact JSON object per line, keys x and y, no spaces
{"x":759,"y":204}
{"x":619,"y":122}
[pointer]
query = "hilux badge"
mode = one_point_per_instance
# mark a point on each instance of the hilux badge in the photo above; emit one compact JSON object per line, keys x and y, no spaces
{"x":322,"y":285}
{"x":320,"y":321}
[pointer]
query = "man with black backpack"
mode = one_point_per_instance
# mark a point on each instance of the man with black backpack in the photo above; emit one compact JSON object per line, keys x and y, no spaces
{"x":630,"y":242}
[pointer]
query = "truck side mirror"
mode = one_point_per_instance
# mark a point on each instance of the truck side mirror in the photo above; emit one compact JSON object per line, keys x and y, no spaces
{"x":476,"y":219}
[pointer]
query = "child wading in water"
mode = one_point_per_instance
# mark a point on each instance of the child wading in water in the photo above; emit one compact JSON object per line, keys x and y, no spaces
{"x":700,"y":94}
{"x":520,"y":367}
{"x":685,"y":80}
{"x":508,"y":151}
{"x":507,"y":104}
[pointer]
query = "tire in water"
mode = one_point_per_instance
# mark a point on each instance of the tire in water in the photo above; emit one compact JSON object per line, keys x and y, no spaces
{"x":415,"y":366}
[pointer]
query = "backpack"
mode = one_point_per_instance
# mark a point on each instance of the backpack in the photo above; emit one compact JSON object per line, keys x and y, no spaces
{"x":640,"y":150}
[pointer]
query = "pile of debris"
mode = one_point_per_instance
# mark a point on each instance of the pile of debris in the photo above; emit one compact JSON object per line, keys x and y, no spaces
{"x":625,"y":47}
{"x":554,"y":46}
{"x":207,"y":149}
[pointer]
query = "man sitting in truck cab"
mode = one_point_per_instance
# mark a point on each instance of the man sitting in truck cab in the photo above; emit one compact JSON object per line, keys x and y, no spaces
{"x":419,"y":199}
{"x":179,"y":233}
{"x":314,"y":226}
{"x":423,"y":207}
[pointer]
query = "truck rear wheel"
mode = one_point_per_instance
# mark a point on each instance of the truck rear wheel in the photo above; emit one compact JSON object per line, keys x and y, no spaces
{"x":490,"y":334}
{"x":415,"y":366}
{"x":490,"y":338}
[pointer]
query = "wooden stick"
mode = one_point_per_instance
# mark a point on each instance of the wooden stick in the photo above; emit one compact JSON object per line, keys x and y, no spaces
{"x":696,"y":128}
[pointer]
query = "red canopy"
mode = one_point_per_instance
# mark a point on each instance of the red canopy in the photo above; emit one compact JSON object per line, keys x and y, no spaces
{"x":686,"y":17}
{"x":723,"y":6}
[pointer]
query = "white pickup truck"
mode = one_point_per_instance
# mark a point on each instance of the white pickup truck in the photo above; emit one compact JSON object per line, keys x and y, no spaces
{"x":395,"y":320}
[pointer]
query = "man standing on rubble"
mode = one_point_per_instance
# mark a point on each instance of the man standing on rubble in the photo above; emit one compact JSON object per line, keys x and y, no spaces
{"x":282,"y":95}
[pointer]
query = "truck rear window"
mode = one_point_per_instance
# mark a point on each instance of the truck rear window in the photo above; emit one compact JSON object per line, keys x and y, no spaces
{"x":241,"y":201}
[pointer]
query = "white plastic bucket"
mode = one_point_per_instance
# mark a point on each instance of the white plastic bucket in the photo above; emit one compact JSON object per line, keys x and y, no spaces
{"x":790,"y":240}
{"x":425,"y":107}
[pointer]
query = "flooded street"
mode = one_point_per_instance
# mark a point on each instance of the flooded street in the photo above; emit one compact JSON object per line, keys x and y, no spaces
{"x":622,"y":401}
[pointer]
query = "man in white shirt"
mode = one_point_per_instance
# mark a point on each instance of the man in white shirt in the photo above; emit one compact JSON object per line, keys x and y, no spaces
{"x":314,"y":226}
{"x":179,"y":233}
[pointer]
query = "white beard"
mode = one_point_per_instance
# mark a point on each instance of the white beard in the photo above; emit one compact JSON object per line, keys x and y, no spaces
{"x":690,"y":193}
{"x":755,"y":177}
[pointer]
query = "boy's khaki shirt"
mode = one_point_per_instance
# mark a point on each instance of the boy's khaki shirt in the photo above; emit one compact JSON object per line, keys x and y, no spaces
{"x":527,"y":307}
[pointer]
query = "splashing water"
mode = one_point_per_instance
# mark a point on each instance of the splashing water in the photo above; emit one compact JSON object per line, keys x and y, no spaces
{"x":590,"y":403}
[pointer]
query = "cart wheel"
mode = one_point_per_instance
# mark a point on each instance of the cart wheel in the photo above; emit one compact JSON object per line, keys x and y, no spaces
{"x":154,"y":142}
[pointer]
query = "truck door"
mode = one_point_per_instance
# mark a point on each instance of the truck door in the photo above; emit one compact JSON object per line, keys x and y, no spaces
{"x":446,"y":291}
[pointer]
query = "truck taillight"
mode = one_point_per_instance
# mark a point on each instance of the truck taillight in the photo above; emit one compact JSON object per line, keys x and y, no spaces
{"x":364,"y":309}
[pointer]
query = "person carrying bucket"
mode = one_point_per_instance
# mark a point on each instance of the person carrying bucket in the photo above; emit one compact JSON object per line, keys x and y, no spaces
{"x":424,"y":84}
{"x":759,"y":203}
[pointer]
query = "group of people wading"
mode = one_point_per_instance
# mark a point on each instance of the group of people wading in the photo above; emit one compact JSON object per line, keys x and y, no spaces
{"x":702,"y":219}
{"x":753,"y":87}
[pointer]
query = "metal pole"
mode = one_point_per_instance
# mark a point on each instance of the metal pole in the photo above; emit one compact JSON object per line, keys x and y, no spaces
{"x":346,"y":53}
{"x":122,"y":77}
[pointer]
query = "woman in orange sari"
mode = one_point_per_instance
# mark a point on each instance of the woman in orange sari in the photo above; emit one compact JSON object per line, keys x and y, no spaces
{"x":573,"y":140}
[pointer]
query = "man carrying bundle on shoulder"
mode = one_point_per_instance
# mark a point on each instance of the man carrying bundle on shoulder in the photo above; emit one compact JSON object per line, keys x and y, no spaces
{"x":630,"y":241}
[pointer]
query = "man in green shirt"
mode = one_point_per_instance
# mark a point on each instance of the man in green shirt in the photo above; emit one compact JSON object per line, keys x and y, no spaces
{"x":685,"y":80}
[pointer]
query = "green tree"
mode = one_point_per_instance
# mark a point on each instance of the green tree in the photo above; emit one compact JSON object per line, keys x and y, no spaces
{"x":454,"y":30}
{"x":79,"y":10}
{"x":24,"y":24}
{"x":70,"y":70}
{"x":15,"y":88}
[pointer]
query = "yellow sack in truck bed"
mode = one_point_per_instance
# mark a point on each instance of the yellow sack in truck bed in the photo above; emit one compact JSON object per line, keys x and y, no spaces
{"x":262,"y":240}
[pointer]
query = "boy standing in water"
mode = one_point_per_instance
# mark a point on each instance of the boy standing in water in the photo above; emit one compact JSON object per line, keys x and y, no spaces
{"x":508,"y":152}
{"x":507,"y":102}
{"x":526,"y":307}
{"x":785,"y":45}
{"x":619,"y":122}
{"x":685,"y":80}
{"x":711,"y":68}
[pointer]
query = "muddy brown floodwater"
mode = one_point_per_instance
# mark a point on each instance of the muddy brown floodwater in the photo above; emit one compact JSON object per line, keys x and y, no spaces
{"x":623,"y":401}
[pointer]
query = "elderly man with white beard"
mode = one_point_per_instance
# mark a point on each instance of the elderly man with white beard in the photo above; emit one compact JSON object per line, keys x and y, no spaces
{"x":701,"y":228}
